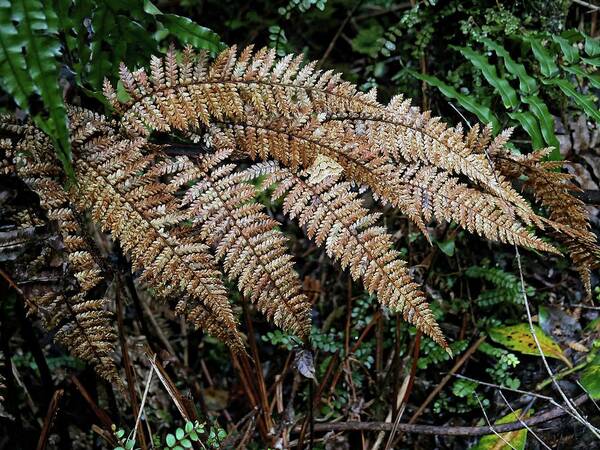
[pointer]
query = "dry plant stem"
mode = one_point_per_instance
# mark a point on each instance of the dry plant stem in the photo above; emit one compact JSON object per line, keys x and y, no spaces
{"x":446,"y":431}
{"x":186,"y":412}
{"x":463,"y":359}
{"x":240,"y":362}
{"x":101,"y":415}
{"x":332,"y":362}
{"x":490,"y":423}
{"x":32,"y":306}
{"x":107,"y":436}
{"x":159,"y":332}
{"x":570,"y":405}
{"x":141,"y":409}
{"x":262,"y":389}
{"x":407,"y":386}
{"x":129,"y":372}
{"x":50,"y":415}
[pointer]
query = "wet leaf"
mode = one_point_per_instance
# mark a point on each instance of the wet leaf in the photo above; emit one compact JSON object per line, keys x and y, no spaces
{"x":482,"y":112}
{"x":305,"y":364}
{"x":519,"y":338}
{"x":447,"y":246}
{"x":517,"y":439}
{"x":590,"y":378}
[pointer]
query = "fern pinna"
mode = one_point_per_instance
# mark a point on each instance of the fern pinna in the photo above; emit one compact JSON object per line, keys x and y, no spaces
{"x":320,"y":143}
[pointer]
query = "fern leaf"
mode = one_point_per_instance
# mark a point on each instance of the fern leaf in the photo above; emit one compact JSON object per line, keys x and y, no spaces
{"x":15,"y":79}
{"x":259,"y":85}
{"x":112,"y":187}
{"x":37,"y":38}
{"x":72,"y":306}
{"x":221,"y":203}
{"x":554,"y":190}
{"x":335,"y":218}
{"x":423,"y":193}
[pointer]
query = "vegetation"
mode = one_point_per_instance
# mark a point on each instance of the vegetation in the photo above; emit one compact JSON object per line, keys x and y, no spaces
{"x":142,"y":158}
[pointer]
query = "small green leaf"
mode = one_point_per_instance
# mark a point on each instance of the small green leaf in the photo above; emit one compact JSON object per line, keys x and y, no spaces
{"x":584,"y":102}
{"x":592,"y":46}
{"x":578,"y":71}
{"x":570,"y":53}
{"x":592,"y":61}
{"x":151,"y":9}
{"x":186,"y":443}
{"x":130,"y":444}
{"x":519,"y":338}
{"x":484,"y":113}
{"x":447,"y":246}
{"x":508,"y":94}
{"x":516,"y":439}
{"x":189,"y":427}
{"x":194,"y":436}
{"x":179,"y":434}
{"x":590,"y":377}
{"x":531,"y":127}
{"x":170,"y":440}
{"x":120,"y":434}
{"x":546,"y":121}
{"x":527,"y":84}
{"x":189,"y":32}
{"x":548,"y":66}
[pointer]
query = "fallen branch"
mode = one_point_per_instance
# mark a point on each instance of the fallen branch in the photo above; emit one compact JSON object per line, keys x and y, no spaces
{"x":444,"y":430}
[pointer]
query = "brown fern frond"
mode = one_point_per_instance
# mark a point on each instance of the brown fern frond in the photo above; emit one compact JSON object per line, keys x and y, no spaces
{"x":244,"y":238}
{"x":423,"y":193}
{"x":72,"y":306}
{"x":182,"y":95}
{"x":118,"y":186}
{"x":554,"y":190}
{"x":333,"y":215}
{"x":308,"y":113}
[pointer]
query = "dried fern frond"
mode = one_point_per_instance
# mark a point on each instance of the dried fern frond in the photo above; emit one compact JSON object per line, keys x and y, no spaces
{"x":294,"y":108}
{"x":423,"y":193}
{"x":554,"y":190}
{"x":334,"y":216}
{"x":117,"y":185}
{"x":184,"y":94}
{"x":243,"y":237}
{"x":72,"y":303}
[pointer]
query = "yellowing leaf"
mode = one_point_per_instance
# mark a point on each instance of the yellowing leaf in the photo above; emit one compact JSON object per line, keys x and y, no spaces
{"x":516,"y":438}
{"x":519,"y":338}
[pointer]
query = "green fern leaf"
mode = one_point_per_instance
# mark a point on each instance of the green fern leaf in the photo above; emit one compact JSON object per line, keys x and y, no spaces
{"x":37,"y":36}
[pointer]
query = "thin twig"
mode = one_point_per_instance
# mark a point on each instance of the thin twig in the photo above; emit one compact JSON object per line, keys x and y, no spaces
{"x":146,"y":389}
{"x":521,"y":420}
{"x":127,"y":364}
{"x":567,"y":401}
{"x":490,"y":423}
{"x":338,"y":33}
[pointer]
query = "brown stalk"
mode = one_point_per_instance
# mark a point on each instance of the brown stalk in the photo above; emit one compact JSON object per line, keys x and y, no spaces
{"x":129,"y":372}
{"x":100,"y":414}
{"x":49,"y":420}
{"x":260,"y":380}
